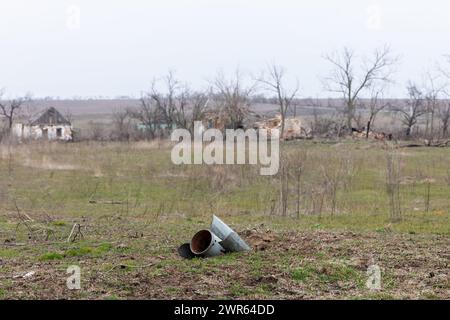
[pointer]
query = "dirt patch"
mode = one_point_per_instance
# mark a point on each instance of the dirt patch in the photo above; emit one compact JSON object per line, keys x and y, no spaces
{"x":290,"y":265}
{"x":259,"y":240}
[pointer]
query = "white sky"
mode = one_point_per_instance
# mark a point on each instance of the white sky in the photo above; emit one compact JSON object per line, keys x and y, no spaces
{"x":119,"y":46}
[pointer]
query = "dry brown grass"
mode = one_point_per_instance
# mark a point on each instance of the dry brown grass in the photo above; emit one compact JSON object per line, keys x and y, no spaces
{"x":136,"y":207}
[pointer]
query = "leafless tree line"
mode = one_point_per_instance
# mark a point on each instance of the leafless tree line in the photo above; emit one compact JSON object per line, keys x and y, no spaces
{"x":359,"y":82}
{"x":9,"y":111}
{"x":353,"y":77}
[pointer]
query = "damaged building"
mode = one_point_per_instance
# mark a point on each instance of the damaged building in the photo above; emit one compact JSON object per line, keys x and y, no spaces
{"x":49,"y":125}
{"x":294,"y":127}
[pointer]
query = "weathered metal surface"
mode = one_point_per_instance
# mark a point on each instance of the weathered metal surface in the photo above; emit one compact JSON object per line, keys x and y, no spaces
{"x":210,"y":243}
{"x":206,"y":244}
{"x":234,"y":243}
{"x":231,"y":242}
{"x":220,"y":228}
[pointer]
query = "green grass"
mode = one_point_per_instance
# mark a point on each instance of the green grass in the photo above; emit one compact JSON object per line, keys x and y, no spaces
{"x":326,"y":273}
{"x":302,"y":273}
{"x":330,"y":273}
{"x":159,"y":206}
{"x":77,"y":252}
{"x":237,"y":290}
{"x":90,"y":251}
{"x":59,"y":223}
{"x":51,"y":256}
{"x":257,"y":265}
{"x":9,"y":253}
{"x":145,"y":181}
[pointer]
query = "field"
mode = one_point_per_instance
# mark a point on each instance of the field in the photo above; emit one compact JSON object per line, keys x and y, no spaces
{"x":135,"y":208}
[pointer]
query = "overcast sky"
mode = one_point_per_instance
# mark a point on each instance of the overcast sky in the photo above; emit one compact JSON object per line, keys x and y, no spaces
{"x":116,"y":47}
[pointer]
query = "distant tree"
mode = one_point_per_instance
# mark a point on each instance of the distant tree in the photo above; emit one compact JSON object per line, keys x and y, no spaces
{"x":434,"y":88}
{"x":260,"y":98}
{"x":10,"y":109}
{"x":179,"y":106}
{"x":68,"y":115}
{"x":147,"y":114}
{"x":274,"y":81}
{"x":96,"y":131}
{"x":198,"y":105}
{"x":173,"y":105}
{"x":416,"y":108}
{"x":121,"y":125}
{"x":444,"y":108}
{"x":233,"y":97}
{"x":346,"y":80}
{"x":374,"y":106}
{"x":444,"y":115}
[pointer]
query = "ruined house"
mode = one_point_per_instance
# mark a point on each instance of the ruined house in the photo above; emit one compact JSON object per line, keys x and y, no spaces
{"x":49,"y":125}
{"x":294,"y":127}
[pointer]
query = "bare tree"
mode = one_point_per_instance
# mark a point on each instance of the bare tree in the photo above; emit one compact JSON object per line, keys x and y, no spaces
{"x":233,"y":97}
{"x":432,"y":97}
{"x":416,"y":108}
{"x":96,"y":131}
{"x":329,"y":124}
{"x":148,"y":116}
{"x":160,"y":110}
{"x":121,"y":125}
{"x":198,"y":105}
{"x":68,"y":115}
{"x":275,"y":82}
{"x":172,"y":103}
{"x":350,"y":83}
{"x":443,"y":114}
{"x":10,"y":109}
{"x":375,"y":105}
{"x":175,"y":105}
{"x":444,"y":108}
{"x":178,"y":105}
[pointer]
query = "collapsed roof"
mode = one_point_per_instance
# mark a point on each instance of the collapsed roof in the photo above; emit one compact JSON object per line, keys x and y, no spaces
{"x":50,"y":117}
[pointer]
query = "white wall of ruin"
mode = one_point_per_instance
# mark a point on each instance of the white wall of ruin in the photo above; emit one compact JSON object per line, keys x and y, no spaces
{"x":23,"y":131}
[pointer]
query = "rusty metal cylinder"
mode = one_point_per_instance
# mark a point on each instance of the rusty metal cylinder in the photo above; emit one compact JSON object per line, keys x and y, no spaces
{"x":206,"y":244}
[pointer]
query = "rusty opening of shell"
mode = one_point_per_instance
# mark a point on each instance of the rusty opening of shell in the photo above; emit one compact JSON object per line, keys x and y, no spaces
{"x":201,"y":241}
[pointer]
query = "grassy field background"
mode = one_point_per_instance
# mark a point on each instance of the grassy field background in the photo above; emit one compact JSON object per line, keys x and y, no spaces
{"x":135,"y":208}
